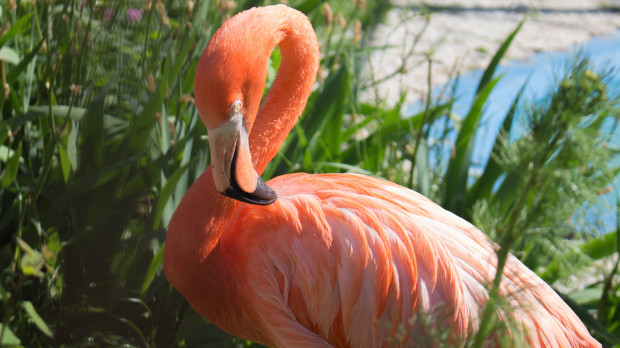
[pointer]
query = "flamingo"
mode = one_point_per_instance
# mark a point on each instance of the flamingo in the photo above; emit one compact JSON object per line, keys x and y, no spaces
{"x":329,"y":260}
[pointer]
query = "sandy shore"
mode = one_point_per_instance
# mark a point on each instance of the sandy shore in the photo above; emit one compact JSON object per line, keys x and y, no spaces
{"x":464,"y":34}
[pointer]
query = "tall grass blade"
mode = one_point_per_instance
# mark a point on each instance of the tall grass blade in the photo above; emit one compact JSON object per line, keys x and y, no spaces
{"x":423,"y":169}
{"x":15,"y":29}
{"x":481,"y":190}
{"x":92,"y":137}
{"x":154,"y":267}
{"x":137,"y":134}
{"x":455,"y":180}
{"x":200,"y":13}
{"x":324,"y":123}
{"x":8,"y":338}
{"x":396,"y":130}
{"x":36,"y":318}
{"x":12,"y":166}
{"x":188,"y":150}
{"x":12,"y":75}
{"x":456,"y":176}
{"x":490,"y":70}
{"x":65,"y":164}
{"x":164,"y":195}
{"x":308,"y":5}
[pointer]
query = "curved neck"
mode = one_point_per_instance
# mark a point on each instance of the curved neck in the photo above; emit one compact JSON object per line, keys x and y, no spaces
{"x":286,"y":100}
{"x":234,"y":64}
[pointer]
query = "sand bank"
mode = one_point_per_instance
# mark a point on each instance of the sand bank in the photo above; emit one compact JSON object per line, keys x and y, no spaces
{"x":461,"y":35}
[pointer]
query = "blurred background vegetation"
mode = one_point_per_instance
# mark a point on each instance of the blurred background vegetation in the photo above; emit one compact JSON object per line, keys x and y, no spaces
{"x":100,"y":139}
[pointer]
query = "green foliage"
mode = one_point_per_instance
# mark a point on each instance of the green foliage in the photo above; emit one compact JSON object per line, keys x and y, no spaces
{"x":558,"y":165}
{"x":99,"y":141}
{"x":457,"y":174}
{"x":86,"y":155}
{"x":550,"y":173}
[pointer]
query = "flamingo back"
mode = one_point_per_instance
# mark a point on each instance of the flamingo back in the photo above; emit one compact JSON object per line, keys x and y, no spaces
{"x":337,"y":249}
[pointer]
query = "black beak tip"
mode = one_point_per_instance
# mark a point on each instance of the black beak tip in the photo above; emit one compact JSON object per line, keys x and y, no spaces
{"x":262,"y":195}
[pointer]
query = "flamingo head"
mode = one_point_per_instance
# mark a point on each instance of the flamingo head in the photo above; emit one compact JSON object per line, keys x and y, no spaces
{"x":233,"y":173}
{"x":230,"y":78}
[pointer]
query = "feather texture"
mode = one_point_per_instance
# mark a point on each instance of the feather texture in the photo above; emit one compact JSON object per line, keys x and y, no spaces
{"x":353,"y":259}
{"x":339,"y":260}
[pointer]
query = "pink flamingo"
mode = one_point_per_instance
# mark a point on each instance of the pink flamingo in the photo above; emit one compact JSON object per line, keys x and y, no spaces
{"x":338,"y":260}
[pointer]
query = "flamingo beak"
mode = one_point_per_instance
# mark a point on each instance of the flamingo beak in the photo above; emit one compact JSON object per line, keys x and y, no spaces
{"x":233,"y":172}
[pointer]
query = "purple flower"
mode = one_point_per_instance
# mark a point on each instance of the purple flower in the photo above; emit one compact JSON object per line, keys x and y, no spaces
{"x":134,"y":15}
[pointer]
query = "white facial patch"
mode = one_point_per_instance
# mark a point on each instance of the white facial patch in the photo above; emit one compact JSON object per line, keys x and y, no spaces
{"x":223,"y":142}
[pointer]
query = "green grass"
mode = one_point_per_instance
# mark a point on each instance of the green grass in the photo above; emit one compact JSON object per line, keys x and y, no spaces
{"x":100,"y":139}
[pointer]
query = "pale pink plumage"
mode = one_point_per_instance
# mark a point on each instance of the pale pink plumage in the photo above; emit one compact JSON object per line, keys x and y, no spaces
{"x":351,"y":248}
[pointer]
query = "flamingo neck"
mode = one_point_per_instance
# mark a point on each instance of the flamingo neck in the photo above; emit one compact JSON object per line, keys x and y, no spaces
{"x":194,"y":233}
{"x":234,"y":66}
{"x":193,"y":260}
{"x":286,"y":100}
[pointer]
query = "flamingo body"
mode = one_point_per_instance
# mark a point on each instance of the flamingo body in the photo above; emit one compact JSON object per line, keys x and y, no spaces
{"x":331,"y":260}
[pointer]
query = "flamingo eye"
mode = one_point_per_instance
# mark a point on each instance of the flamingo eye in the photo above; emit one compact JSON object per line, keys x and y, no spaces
{"x":235,"y":108}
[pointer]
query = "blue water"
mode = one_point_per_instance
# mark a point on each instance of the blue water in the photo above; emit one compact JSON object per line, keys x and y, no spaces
{"x":541,"y":72}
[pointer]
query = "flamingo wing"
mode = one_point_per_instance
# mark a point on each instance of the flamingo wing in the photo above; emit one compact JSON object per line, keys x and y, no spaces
{"x":348,"y":260}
